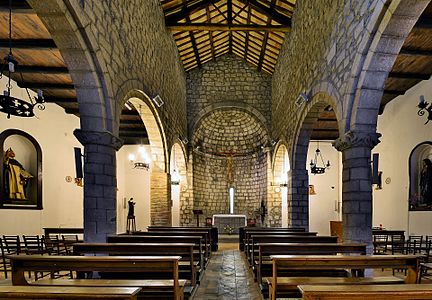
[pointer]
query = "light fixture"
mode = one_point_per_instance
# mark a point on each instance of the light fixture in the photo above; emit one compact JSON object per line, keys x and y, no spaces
{"x":315,"y":168}
{"x":128,"y":105}
{"x":140,"y":161}
{"x":185,"y":141}
{"x":11,"y":105}
{"x":423,"y":107}
{"x":302,"y":98}
{"x":158,"y":101}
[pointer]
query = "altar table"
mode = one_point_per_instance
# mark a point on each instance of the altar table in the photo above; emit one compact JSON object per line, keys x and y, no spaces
{"x":226,"y":223}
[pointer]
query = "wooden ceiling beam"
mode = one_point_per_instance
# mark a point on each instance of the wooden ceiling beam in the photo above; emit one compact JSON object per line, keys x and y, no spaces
{"x":230,"y":21}
{"x":265,"y":39}
{"x":413,"y":76}
{"x":185,"y":11}
{"x":394,"y":93}
{"x":210,"y":34}
{"x":41,"y":70}
{"x":415,"y":52}
{"x":46,"y":86}
{"x":424,"y":23}
{"x":273,"y":14}
{"x":131,"y":122}
{"x":36,"y":44}
{"x":51,"y":99}
{"x":18,"y":6}
{"x":225,"y":27}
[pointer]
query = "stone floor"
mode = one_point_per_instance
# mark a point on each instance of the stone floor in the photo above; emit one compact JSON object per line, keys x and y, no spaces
{"x":227,"y":277}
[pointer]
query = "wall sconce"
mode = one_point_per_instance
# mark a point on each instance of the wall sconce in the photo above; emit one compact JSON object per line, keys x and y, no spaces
{"x":140,"y":161}
{"x":302,"y":98}
{"x":423,"y":107}
{"x":158,"y":101}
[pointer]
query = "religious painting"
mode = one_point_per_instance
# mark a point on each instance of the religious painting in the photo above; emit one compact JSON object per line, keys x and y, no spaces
{"x":420,"y":168}
{"x":312,"y":189}
{"x":21,"y":174}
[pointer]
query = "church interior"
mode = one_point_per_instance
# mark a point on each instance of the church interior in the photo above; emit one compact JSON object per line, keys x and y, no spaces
{"x":216,"y":149}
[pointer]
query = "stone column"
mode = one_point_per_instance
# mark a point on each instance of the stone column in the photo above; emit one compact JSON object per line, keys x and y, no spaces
{"x":100,"y":183}
{"x":357,"y":186}
{"x":160,"y":195}
{"x":298,"y":198}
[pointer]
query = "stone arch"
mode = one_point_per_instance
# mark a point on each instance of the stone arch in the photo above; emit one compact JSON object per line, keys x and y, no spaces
{"x":178,"y":167}
{"x":298,"y":193}
{"x":230,"y":151}
{"x":160,"y":191}
{"x":390,"y":25}
{"x":226,"y":105}
{"x":95,"y":106}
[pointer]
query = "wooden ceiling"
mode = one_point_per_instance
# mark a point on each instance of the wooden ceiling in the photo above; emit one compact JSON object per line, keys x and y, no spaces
{"x":251,"y":29}
{"x":203,"y":30}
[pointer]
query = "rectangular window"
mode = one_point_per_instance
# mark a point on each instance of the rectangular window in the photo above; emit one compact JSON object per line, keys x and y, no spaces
{"x":231,"y":200}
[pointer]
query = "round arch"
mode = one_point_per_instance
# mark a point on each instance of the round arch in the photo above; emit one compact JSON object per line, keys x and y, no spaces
{"x":178,"y":172}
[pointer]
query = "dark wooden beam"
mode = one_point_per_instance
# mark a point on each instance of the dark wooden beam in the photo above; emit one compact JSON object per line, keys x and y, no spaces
{"x":73,"y":111}
{"x":413,"y":76}
{"x":18,"y":6}
{"x":41,"y":70}
{"x":132,"y":122}
{"x":52,"y":99}
{"x":34,"y":44}
{"x":265,"y":39}
{"x":230,"y":22}
{"x":424,"y":23}
{"x":247,"y":33}
{"x":225,"y":27}
{"x":46,"y":86}
{"x":210,"y":34}
{"x":394,"y":93}
{"x":275,"y":15}
{"x":415,"y":52}
{"x":185,"y":10}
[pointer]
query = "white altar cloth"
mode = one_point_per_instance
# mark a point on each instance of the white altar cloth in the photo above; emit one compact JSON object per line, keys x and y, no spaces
{"x":228,"y":217}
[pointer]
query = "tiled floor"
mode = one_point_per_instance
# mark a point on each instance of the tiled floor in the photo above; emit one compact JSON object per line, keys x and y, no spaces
{"x":227,"y":277}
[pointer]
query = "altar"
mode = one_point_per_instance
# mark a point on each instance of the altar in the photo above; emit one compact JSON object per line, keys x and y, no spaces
{"x":226,"y":223}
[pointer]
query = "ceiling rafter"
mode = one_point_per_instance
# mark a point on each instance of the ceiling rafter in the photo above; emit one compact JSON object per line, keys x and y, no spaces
{"x":273,"y":14}
{"x":185,"y":10}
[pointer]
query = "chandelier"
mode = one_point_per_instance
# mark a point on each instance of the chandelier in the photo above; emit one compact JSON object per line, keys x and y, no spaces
{"x":11,"y":105}
{"x":314,"y":164}
{"x":423,"y":107}
{"x":140,"y":161}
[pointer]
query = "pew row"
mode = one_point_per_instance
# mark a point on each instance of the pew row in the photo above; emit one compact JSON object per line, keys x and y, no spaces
{"x":151,"y":266}
{"x":243,"y":230}
{"x":214,"y":236}
{"x":288,"y":285}
{"x":361,"y":292}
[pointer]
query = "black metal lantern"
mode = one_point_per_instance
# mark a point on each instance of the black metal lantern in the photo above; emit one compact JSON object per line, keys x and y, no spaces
{"x":314,"y":164}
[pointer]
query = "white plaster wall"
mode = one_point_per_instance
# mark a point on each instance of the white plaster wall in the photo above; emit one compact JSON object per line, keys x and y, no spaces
{"x":132,"y":183}
{"x":401,"y":131}
{"x":322,"y":206}
{"x":62,"y":201}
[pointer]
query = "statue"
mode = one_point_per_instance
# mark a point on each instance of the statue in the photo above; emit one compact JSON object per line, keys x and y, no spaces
{"x":131,"y":208}
{"x":426,"y":182}
{"x":15,"y":177}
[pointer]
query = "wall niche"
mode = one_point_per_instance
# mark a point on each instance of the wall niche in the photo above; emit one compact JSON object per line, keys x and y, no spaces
{"x":420,"y":174}
{"x":21,"y":172}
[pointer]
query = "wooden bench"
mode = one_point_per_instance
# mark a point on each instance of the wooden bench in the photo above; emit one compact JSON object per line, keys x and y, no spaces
{"x":152,"y":266}
{"x":357,"y":264}
{"x":243,"y":230}
{"x":197,"y":240}
{"x":256,"y":239}
{"x":186,"y":251}
{"x":213,"y":231}
{"x":361,"y":292}
{"x":263,"y":264}
{"x":52,"y":292}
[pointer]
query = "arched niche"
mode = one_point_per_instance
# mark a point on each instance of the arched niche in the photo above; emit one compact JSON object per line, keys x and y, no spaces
{"x":29,"y":155}
{"x":418,"y":154}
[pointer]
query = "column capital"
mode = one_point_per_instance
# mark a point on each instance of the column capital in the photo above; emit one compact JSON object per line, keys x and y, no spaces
{"x":353,"y":139}
{"x":104,"y":138}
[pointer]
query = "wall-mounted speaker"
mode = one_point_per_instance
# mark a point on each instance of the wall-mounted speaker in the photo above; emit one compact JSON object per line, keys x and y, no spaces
{"x":375,"y":172}
{"x":78,"y":163}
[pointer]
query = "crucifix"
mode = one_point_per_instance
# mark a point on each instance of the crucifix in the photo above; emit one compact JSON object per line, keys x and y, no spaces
{"x":230,"y":164}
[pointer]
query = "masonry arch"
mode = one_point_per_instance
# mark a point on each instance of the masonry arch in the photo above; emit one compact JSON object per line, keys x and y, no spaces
{"x":178,"y":176}
{"x":160,"y":191}
{"x":298,"y":178}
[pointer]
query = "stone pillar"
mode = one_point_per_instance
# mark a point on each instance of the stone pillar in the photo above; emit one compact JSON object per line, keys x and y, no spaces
{"x":357,"y":186}
{"x":100,"y":183}
{"x":298,"y":198}
{"x":160,"y":195}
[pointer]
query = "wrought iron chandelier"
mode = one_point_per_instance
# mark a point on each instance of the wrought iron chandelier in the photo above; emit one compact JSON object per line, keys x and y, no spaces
{"x":11,"y":105}
{"x":423,"y":108}
{"x":315,"y":168}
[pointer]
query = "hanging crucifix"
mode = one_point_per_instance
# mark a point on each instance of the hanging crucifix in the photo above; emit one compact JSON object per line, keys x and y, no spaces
{"x":230,"y":165}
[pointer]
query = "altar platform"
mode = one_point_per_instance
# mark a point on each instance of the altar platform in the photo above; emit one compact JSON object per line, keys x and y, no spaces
{"x":229,"y":223}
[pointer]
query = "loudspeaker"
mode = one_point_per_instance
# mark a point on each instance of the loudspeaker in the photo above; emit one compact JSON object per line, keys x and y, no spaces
{"x":78,"y":162}
{"x":375,"y":173}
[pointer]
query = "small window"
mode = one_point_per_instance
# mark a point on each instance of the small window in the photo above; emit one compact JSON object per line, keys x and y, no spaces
{"x":231,"y":199}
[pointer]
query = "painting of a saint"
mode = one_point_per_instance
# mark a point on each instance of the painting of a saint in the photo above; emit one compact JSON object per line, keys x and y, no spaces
{"x":426,"y":182}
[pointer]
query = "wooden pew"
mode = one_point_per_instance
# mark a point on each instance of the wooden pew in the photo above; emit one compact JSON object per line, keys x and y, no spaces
{"x":66,"y":293}
{"x":59,"y":231}
{"x":205,"y":235}
{"x":255,"y":239}
{"x":200,"y":252}
{"x":186,"y":251}
{"x":243,"y":230}
{"x":357,"y":264}
{"x":153,"y":266}
{"x":214,"y":236}
{"x":263,"y":265}
{"x":361,"y":292}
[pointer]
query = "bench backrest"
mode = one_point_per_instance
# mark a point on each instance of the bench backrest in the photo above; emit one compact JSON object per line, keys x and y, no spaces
{"x":243,"y":230}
